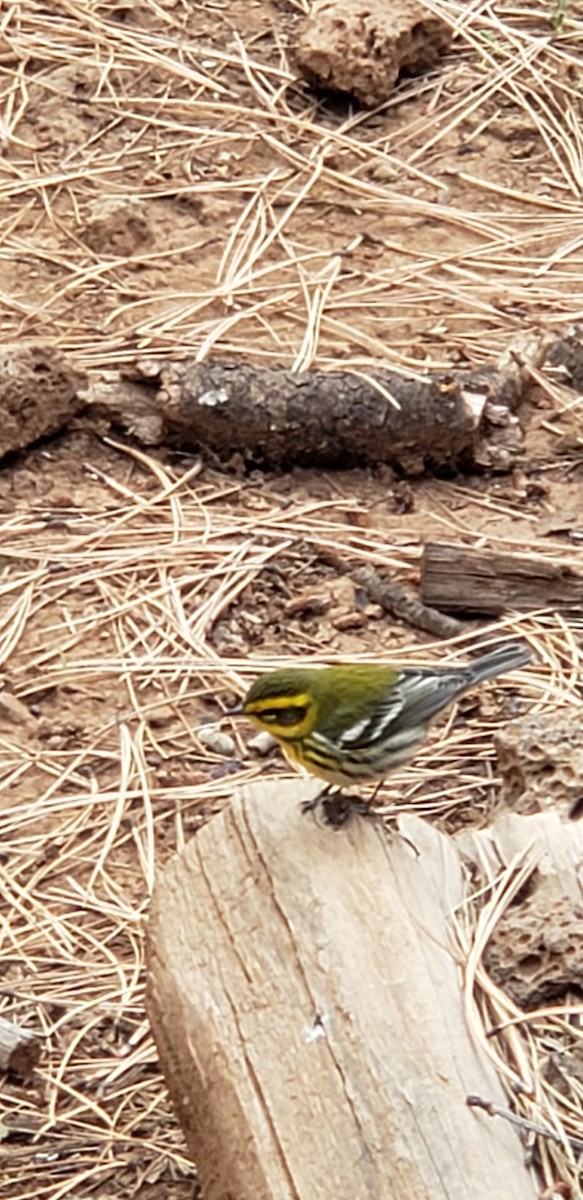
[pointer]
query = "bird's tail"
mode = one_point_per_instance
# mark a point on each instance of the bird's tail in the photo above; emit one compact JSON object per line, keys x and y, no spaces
{"x":507,"y":658}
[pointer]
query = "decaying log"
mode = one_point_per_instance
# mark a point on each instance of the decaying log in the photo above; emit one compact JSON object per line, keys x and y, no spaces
{"x":305,"y":998}
{"x":459,"y":578}
{"x":340,"y":418}
{"x":19,"y":1049}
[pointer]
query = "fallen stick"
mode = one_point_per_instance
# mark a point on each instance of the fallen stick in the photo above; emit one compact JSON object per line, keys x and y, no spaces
{"x":403,"y":603}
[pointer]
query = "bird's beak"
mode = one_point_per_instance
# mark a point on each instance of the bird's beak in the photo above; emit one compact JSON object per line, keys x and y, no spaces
{"x":236,"y":711}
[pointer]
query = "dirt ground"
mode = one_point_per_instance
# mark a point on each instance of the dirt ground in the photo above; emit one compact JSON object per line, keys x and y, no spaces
{"x":170,"y":187}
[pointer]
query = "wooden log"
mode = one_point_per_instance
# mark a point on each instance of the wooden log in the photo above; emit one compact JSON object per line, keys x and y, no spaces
{"x":305,"y":999}
{"x":19,"y":1049}
{"x":274,"y":417}
{"x":459,"y":578}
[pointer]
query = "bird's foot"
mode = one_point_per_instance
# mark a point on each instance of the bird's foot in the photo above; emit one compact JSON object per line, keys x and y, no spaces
{"x":339,"y":809}
{"x":337,"y":806}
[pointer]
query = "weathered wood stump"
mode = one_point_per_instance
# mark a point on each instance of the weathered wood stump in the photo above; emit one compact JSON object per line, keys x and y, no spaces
{"x":306,"y":1002}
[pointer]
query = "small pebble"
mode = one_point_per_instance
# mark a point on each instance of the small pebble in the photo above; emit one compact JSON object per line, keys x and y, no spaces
{"x":350,"y":620}
{"x":161,"y":716}
{"x":262,"y":743}
{"x":14,"y":710}
{"x":216,"y":740}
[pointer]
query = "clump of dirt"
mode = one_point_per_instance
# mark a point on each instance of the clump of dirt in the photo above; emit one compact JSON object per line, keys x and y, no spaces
{"x":116,"y":225}
{"x":39,"y":394}
{"x":362,"y":46}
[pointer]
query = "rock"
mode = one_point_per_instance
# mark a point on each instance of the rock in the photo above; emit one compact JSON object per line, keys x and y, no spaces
{"x":350,"y":620}
{"x":217,"y":741}
{"x":263,"y":743}
{"x":534,"y":953}
{"x":540,"y":762}
{"x":362,"y":46}
{"x":14,"y":710}
{"x":39,"y":393}
{"x":162,"y":716}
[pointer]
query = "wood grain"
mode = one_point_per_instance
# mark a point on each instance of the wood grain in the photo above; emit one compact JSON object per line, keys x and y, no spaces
{"x":459,"y":578}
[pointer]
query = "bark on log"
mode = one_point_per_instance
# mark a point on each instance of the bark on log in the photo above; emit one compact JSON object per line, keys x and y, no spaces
{"x":275,"y":417}
{"x":305,"y":999}
{"x":19,"y":1049}
{"x":459,"y":578}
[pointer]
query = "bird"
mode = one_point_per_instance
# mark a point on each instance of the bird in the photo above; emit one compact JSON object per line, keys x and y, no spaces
{"x":353,"y":723}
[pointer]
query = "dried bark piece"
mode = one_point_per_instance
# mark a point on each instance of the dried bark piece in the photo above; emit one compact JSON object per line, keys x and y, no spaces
{"x":275,"y":417}
{"x":19,"y":1049}
{"x":362,"y":46}
{"x":250,"y":415}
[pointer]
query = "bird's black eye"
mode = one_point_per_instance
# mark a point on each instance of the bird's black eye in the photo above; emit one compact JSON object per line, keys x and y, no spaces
{"x":283,"y":716}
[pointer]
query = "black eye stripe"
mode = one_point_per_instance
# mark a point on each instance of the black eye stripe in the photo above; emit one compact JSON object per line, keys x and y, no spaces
{"x":283,"y":716}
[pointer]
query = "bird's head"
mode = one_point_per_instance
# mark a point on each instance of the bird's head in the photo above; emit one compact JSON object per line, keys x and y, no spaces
{"x":293,"y":702}
{"x":285,"y":703}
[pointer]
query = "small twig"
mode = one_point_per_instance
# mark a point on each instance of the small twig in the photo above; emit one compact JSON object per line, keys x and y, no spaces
{"x":494,"y":1110}
{"x":403,"y":603}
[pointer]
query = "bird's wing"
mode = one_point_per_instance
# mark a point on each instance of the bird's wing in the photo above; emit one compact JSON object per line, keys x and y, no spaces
{"x":426,"y":693}
{"x":376,"y":724}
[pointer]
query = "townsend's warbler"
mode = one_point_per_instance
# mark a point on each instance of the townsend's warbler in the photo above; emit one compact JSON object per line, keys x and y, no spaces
{"x":353,"y":724}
